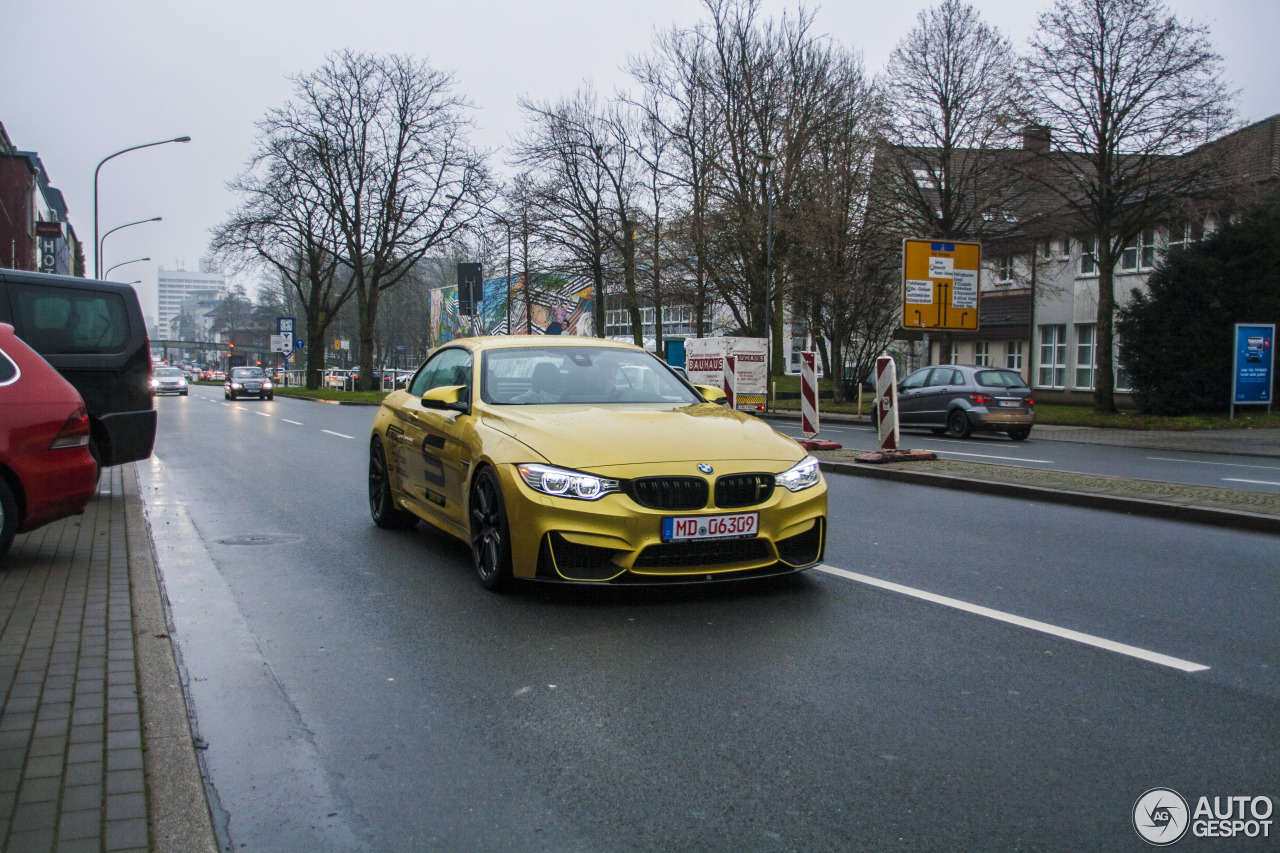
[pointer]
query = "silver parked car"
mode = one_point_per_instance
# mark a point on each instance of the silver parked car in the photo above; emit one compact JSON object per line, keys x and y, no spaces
{"x":959,"y":398}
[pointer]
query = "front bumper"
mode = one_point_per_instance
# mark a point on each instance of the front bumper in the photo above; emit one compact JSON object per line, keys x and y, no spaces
{"x":616,"y":541}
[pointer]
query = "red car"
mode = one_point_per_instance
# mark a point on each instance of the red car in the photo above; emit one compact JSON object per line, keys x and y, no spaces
{"x":46,"y":470}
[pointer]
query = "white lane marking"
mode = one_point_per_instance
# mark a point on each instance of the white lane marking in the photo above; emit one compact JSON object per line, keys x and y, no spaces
{"x":1020,"y":621}
{"x":991,"y":456}
{"x":1224,"y":464}
{"x":338,"y":434}
{"x":295,"y":423}
{"x":1253,"y":482}
{"x":264,"y":414}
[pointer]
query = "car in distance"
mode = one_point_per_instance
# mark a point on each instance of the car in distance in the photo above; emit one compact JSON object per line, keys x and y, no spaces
{"x":168,"y":380}
{"x":961,"y":398}
{"x":46,"y":470}
{"x":248,"y":382}
{"x":587,"y":461}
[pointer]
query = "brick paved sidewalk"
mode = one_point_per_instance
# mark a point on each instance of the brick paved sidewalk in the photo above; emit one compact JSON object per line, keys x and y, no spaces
{"x":71,"y":758}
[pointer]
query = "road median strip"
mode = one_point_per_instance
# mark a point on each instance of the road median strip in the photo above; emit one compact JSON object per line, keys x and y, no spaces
{"x":1220,"y":506}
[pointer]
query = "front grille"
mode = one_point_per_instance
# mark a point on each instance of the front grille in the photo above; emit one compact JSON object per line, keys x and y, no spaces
{"x":670,"y":493}
{"x":737,"y":490}
{"x":804,"y":548}
{"x":714,"y":552}
{"x":581,"y":562}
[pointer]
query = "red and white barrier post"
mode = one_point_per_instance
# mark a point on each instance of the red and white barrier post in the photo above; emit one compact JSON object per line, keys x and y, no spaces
{"x":731,"y":381}
{"x":808,"y":395}
{"x":887,"y":402}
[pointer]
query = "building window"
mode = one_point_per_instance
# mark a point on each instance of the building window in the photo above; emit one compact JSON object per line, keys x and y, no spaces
{"x":1085,"y":348}
{"x":1053,"y":357}
{"x":953,"y":357}
{"x":982,"y":353}
{"x":1185,"y":236}
{"x":1004,"y":269}
{"x":1139,"y":253}
{"x":1013,"y":355}
{"x":1088,"y":256}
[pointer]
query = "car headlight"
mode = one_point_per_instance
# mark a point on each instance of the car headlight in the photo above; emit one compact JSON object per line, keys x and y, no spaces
{"x":562,"y":483}
{"x":155,"y":383}
{"x":803,"y":475}
{"x":235,"y":384}
{"x":266,"y":383}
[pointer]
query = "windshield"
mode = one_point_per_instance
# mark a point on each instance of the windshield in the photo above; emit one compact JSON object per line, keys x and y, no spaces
{"x":247,"y":373}
{"x":575,"y":375}
{"x":168,"y":371}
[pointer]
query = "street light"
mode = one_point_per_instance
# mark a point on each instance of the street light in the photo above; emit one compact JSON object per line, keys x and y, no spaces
{"x":96,"y":260}
{"x":98,"y":249}
{"x":123,"y":264}
{"x":766,"y":160}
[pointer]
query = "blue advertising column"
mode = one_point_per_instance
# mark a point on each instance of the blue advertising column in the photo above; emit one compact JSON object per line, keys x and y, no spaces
{"x":1252,"y":366}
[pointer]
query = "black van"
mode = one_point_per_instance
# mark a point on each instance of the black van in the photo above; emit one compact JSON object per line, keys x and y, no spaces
{"x":93,"y":333}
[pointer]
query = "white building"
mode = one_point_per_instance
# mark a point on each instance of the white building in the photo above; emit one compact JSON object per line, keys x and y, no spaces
{"x":175,"y":286}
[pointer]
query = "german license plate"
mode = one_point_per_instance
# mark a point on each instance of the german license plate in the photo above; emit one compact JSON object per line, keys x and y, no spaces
{"x":1009,"y":404}
{"x":734,"y":526}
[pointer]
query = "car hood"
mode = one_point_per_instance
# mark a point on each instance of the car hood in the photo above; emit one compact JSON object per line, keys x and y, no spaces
{"x":599,"y":437}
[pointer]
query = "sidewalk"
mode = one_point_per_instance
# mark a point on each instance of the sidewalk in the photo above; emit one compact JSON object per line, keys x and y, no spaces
{"x":96,"y":750}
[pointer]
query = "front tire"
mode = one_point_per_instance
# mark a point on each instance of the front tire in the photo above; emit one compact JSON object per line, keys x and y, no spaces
{"x":381,"y":503}
{"x":490,"y":535}
{"x":958,"y":424}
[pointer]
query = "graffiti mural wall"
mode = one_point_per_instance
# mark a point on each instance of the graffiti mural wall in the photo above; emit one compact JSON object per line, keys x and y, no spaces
{"x":561,"y":306}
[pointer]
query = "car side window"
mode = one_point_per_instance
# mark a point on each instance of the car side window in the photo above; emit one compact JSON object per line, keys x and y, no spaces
{"x":915,"y":380}
{"x":941,"y":376}
{"x":447,"y":367}
{"x":8,"y":370}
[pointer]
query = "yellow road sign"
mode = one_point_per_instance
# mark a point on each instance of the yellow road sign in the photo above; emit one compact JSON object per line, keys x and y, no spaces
{"x":940,"y":281}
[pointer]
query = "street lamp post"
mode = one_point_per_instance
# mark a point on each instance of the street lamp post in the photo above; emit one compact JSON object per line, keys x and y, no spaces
{"x":97,"y":265}
{"x":766,"y":160}
{"x":123,"y":264}
{"x":98,"y":248}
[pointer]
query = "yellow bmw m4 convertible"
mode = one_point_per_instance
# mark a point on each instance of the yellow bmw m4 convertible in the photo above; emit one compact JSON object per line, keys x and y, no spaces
{"x":583,"y":460}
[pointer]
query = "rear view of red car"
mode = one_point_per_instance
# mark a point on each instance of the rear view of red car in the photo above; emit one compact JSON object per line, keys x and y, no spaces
{"x":46,"y":470}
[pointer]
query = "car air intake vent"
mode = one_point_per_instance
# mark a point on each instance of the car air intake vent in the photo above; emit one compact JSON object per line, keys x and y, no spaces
{"x":692,"y":555}
{"x":669,"y":493}
{"x":738,"y":490}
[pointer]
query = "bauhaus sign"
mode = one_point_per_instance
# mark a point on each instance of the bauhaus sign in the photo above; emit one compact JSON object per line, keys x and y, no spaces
{"x":940,"y":284}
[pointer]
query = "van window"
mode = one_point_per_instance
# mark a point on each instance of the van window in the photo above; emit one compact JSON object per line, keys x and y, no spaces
{"x":61,"y":320}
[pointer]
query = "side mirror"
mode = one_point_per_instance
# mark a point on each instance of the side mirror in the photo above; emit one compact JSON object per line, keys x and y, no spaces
{"x":711,"y":395}
{"x":447,"y":398}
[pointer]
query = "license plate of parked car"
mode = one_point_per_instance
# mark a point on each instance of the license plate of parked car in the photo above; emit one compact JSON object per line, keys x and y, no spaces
{"x":731,"y":526}
{"x":1009,"y":404}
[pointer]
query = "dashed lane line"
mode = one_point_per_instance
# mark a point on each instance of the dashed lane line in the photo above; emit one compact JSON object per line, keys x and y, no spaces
{"x":1020,"y":621}
{"x":338,"y":434}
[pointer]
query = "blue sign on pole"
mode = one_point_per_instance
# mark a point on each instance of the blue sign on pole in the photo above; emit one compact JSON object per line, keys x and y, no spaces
{"x":1253,"y":365}
{"x":299,"y":344}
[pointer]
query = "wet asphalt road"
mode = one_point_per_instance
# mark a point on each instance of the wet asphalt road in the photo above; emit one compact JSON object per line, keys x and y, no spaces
{"x":358,"y":690}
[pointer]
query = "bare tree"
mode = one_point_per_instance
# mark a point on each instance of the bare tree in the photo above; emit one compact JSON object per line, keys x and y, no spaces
{"x":283,"y":225}
{"x":949,"y":86}
{"x":390,"y":154}
{"x":1122,"y":85}
{"x":573,"y":188}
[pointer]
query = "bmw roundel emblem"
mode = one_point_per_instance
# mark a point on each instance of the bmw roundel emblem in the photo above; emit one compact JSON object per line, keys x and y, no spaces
{"x":705,"y":468}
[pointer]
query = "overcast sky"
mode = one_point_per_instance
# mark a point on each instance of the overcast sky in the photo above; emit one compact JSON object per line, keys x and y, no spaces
{"x":84,"y":78}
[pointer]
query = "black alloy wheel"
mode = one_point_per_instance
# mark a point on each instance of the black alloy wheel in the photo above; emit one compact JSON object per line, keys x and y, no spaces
{"x":490,"y":536}
{"x":958,"y":424}
{"x":381,"y":504}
